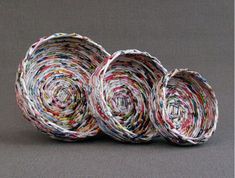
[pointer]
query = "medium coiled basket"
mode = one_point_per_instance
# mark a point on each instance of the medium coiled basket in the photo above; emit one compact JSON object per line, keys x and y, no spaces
{"x":120,"y":95}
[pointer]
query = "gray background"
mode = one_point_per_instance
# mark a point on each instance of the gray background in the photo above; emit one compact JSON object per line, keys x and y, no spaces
{"x":182,"y":34}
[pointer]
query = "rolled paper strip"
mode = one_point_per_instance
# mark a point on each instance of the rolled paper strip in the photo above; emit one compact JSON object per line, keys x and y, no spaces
{"x":184,"y":107}
{"x":120,"y":90}
{"x":52,"y":85}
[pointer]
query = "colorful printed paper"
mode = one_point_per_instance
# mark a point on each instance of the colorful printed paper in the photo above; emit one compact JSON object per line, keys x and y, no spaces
{"x":52,"y":85}
{"x":120,"y":95}
{"x":184,"y":108}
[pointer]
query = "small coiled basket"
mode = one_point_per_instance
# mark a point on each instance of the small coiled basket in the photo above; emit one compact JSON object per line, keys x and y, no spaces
{"x":184,"y":107}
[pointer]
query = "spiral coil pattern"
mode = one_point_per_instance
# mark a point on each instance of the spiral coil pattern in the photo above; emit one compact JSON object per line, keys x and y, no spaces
{"x":120,"y":90}
{"x":52,"y":85}
{"x":184,"y":107}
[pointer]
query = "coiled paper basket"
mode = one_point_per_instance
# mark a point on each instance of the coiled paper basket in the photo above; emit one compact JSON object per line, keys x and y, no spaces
{"x":52,"y":85}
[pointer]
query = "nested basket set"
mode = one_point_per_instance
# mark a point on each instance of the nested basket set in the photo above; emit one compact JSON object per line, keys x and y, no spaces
{"x":70,"y":88}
